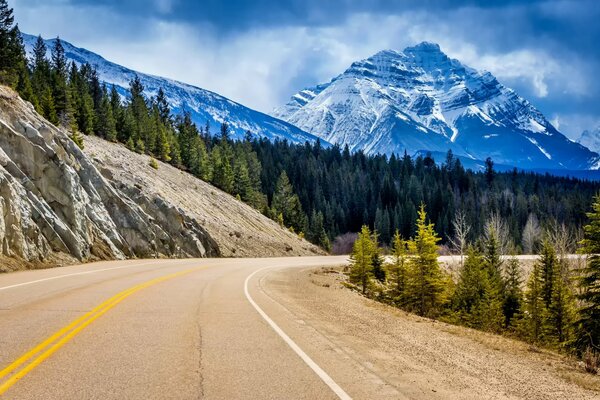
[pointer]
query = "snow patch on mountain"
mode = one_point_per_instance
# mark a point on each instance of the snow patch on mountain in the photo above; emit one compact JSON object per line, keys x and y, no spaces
{"x":203,"y":105}
{"x":590,"y":139}
{"x":422,"y":100}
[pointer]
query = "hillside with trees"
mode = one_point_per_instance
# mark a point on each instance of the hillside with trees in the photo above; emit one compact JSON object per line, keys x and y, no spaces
{"x":319,"y":192}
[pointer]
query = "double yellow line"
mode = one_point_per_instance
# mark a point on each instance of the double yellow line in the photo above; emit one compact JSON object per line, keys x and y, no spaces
{"x":45,"y":349}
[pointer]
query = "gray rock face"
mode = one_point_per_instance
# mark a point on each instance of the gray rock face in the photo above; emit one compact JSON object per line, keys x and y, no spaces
{"x":54,"y":200}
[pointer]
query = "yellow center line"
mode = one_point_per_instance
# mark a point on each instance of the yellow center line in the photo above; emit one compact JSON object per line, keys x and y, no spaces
{"x":65,"y":334}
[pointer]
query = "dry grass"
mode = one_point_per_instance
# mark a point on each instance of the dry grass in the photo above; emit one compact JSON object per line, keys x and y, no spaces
{"x":579,"y":378}
{"x":591,"y":359}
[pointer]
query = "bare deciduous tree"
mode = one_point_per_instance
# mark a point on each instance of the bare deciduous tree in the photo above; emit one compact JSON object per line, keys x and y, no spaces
{"x":531,"y":234}
{"x":459,"y":240}
{"x":564,"y":242}
{"x":495,"y":225}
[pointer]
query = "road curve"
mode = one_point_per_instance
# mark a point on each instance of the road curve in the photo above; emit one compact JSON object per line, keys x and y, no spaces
{"x":155,"y":329}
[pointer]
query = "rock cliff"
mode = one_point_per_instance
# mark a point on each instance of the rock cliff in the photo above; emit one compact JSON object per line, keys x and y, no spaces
{"x":57,"y":207}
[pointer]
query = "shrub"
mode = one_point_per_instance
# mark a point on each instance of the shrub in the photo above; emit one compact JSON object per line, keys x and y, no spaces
{"x":153,"y":163}
{"x":591,"y":360}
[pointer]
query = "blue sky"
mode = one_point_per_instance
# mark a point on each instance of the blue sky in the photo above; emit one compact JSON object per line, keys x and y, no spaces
{"x":261,"y":52}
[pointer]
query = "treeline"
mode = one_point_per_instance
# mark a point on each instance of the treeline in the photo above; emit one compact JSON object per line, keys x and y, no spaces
{"x":556,"y":306}
{"x":348,"y":190}
{"x":319,"y":192}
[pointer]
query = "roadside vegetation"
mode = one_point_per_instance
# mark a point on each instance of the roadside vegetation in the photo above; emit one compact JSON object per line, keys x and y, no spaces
{"x":556,"y":307}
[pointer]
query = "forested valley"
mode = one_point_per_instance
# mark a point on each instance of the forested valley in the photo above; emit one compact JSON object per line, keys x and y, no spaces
{"x":319,"y":191}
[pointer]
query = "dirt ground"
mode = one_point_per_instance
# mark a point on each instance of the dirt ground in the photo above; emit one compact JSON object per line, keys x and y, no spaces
{"x":238,"y":229}
{"x":417,"y":358}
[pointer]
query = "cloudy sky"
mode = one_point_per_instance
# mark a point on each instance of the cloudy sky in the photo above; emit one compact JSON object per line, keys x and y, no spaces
{"x":260,"y":52}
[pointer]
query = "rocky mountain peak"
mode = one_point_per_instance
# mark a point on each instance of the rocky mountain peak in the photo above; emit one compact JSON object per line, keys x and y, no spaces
{"x":422,"y":100}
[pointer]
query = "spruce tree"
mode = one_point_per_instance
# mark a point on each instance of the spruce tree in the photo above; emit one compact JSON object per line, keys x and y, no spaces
{"x":241,"y":178}
{"x":398,"y":270}
{"x":561,"y":311}
{"x":378,"y":270}
{"x":163,"y":108}
{"x":493,"y":258}
{"x":163,"y":144}
{"x":61,"y":91}
{"x":549,"y":265}
{"x":361,"y":260}
{"x":106,"y":125}
{"x":287,"y":203}
{"x":12,"y":53}
{"x":223,"y":177}
{"x":588,"y":330}
{"x":535,"y":312}
{"x":513,"y":294}
{"x":426,"y":287}
{"x":475,"y":298}
{"x":40,"y":78}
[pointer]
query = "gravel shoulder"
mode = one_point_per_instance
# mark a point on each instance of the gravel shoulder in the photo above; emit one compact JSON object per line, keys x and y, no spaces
{"x":406,"y":356}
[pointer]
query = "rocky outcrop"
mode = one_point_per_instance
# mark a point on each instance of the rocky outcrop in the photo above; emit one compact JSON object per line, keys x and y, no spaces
{"x":54,"y":200}
{"x":174,"y":197}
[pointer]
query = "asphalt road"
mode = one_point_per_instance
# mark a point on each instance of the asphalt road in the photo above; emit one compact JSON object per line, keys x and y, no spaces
{"x":156,"y":329}
{"x":219,"y":329}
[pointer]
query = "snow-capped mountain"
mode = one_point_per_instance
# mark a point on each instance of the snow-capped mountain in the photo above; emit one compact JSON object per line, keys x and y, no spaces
{"x":202,"y":104}
{"x":422,"y":100}
{"x":590,"y":139}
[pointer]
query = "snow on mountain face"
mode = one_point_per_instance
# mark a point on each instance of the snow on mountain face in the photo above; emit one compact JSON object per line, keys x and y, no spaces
{"x":203,"y":105}
{"x":421,"y":100}
{"x":590,"y":139}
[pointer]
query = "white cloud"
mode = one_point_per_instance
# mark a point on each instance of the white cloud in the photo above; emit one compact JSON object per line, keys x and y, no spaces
{"x":574,"y":124}
{"x":164,"y":6}
{"x":262,"y":67}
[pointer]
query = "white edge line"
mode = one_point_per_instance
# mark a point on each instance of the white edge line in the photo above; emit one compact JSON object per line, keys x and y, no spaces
{"x":309,"y":361}
{"x":75,"y":274}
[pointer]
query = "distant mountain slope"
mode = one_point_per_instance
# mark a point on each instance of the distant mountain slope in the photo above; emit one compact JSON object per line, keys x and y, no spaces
{"x":421,"y":100}
{"x":590,"y":139}
{"x":202,"y":104}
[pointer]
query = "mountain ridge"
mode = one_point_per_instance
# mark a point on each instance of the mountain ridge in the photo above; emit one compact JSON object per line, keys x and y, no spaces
{"x":420,"y":99}
{"x":203,"y":105}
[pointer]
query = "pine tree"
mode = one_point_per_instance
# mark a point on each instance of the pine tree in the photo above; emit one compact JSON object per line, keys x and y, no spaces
{"x":40,"y":78}
{"x":316,"y":233}
{"x":588,"y":332}
{"x":287,"y":203}
{"x":547,"y":262}
{"x":493,"y":258}
{"x":561,"y":311}
{"x":426,"y":284}
{"x":378,"y":270}
{"x":241,"y":178}
{"x":535,"y":312}
{"x":361,"y":260}
{"x":47,"y":105}
{"x":513,"y":294}
{"x":106,"y":125}
{"x":83,"y":104}
{"x":224,"y":135}
{"x":475,"y":298}
{"x":12,"y":53}
{"x":399,"y":270}
{"x":163,"y":144}
{"x":163,"y":108}
{"x":59,"y":60}
{"x":60,"y":89}
{"x":223,"y":177}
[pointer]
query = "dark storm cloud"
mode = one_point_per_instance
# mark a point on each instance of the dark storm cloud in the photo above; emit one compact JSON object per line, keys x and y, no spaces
{"x":552,"y":44}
